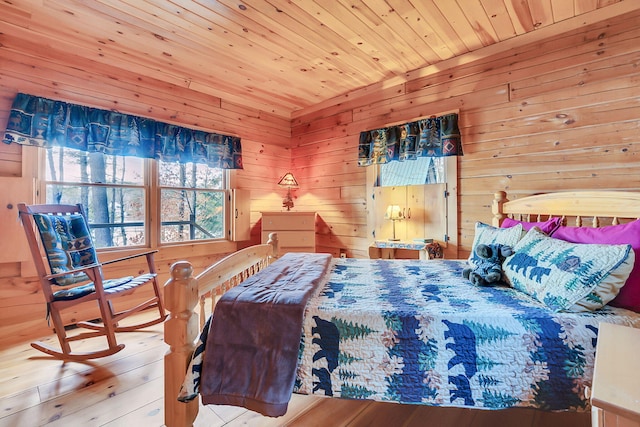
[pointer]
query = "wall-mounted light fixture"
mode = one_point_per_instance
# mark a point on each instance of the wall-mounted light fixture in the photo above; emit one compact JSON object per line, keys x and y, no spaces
{"x":289,"y":181}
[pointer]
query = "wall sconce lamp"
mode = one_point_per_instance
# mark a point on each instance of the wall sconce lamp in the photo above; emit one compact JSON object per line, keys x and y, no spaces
{"x":289,"y":181}
{"x":394,"y":214}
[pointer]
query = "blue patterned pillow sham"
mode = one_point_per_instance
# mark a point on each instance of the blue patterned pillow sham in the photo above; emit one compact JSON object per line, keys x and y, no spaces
{"x":567,"y":276}
{"x":68,"y":245}
{"x":488,"y":235}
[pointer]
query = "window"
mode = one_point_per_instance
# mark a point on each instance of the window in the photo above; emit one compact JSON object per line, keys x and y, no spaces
{"x":110,"y":188}
{"x":422,"y":170}
{"x":191,"y":202}
{"x":430,"y":206}
{"x":115,"y":191}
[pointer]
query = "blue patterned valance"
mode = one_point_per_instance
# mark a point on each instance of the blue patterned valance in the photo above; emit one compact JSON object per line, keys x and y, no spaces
{"x":44,"y":123}
{"x":432,"y":137}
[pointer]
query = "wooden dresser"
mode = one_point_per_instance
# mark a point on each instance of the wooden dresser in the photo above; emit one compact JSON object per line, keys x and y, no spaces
{"x":296,"y":230}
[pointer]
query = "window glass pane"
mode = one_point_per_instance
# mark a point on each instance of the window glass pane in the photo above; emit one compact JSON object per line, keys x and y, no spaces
{"x":191,"y":215}
{"x":113,"y":190}
{"x":190,"y":175}
{"x":116,"y":214}
{"x":423,"y":170}
{"x":68,"y":165}
{"x":192,"y":202}
{"x":115,"y":205}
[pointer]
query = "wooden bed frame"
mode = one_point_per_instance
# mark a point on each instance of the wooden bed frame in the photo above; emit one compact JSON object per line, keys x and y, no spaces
{"x":184,"y":291}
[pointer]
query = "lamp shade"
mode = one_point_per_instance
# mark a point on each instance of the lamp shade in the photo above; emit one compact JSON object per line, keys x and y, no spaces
{"x":393,"y":213}
{"x":288,"y":180}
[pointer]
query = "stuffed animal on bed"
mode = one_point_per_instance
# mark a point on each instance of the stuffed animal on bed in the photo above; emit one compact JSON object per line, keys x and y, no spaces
{"x":487,"y":265}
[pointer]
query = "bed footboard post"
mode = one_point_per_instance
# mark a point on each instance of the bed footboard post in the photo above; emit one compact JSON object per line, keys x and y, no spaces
{"x":180,"y":332}
{"x":499,"y":199}
{"x":273,"y":241}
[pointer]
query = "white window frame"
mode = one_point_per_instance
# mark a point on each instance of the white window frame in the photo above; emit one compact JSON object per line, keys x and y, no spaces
{"x":157,"y":205}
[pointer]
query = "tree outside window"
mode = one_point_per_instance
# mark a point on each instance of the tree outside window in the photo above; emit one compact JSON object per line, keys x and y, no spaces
{"x":192,"y":202}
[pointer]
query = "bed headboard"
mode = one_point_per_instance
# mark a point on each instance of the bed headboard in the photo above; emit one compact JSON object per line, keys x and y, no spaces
{"x":595,"y":206}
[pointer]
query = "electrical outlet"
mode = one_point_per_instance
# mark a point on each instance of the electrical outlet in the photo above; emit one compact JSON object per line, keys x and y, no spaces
{"x":343,"y":255}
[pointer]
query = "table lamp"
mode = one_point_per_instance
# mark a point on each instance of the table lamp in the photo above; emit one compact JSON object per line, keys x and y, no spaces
{"x":394,"y":214}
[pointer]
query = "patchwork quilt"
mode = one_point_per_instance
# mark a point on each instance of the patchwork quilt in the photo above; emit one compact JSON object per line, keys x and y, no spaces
{"x":416,"y":332}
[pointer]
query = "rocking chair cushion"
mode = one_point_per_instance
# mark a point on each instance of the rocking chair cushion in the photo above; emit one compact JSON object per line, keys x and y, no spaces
{"x":68,"y":245}
{"x":80,"y":291}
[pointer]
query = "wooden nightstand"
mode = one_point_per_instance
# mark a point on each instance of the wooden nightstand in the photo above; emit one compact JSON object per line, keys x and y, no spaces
{"x":615,"y":395}
{"x":296,"y":230}
{"x":392,"y":249}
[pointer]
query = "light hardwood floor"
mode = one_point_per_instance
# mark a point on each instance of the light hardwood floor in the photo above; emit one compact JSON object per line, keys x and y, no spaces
{"x":126,"y":390}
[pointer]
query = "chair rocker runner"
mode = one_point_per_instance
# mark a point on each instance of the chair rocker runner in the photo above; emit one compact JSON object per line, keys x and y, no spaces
{"x":74,"y":269}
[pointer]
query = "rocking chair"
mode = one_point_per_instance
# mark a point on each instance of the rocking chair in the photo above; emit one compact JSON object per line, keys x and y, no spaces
{"x":74,"y":276}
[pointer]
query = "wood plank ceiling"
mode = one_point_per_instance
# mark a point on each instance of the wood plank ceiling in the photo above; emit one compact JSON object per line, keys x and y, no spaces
{"x":279,"y":56}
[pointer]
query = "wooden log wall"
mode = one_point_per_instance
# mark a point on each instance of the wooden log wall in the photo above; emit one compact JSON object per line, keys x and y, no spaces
{"x":265,"y":143}
{"x":558,"y":113}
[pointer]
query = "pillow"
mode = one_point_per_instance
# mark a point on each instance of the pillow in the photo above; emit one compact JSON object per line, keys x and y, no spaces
{"x":489,"y":235}
{"x":68,"y":245}
{"x":629,"y":233}
{"x":547,"y":226}
{"x":567,"y":276}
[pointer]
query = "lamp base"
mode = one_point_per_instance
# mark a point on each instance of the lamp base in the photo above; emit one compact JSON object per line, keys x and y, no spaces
{"x":393,"y":239}
{"x":287,"y":202}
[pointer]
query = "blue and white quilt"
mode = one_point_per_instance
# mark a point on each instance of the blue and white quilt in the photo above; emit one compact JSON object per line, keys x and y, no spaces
{"x":416,"y":332}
